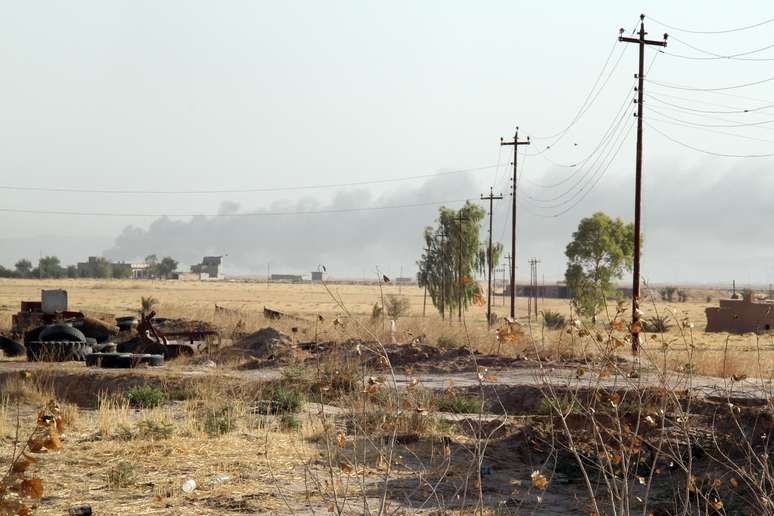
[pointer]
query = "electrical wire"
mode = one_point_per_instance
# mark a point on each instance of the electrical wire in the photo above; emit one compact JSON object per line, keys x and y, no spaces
{"x":243,"y":214}
{"x":714,"y":131}
{"x":608,"y":131}
{"x":241,"y":190}
{"x":709,"y":111}
{"x":711,"y":153}
{"x":745,"y":124}
{"x":724,"y":31}
{"x":722,"y":88}
{"x":739,"y":56}
{"x":609,"y":139}
{"x":579,"y":114}
{"x":596,"y":182}
{"x":595,"y":176}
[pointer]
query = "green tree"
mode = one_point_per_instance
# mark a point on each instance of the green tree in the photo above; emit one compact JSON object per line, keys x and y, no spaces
{"x":50,"y":267}
{"x":599,"y":253}
{"x":23,"y":268}
{"x":103,"y":268}
{"x":440,"y":265}
{"x":166,"y":266}
{"x":71,"y":271}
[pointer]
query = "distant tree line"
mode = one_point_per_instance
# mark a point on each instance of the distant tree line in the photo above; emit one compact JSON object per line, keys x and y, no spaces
{"x":51,"y":267}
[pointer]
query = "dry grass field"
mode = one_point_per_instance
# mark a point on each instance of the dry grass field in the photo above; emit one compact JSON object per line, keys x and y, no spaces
{"x":718,"y":354}
{"x":562,"y":422}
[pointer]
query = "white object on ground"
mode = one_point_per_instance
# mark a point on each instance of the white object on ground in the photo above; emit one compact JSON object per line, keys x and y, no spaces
{"x":189,"y":485}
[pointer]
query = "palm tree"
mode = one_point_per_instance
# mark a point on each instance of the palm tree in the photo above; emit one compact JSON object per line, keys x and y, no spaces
{"x":147,"y":304}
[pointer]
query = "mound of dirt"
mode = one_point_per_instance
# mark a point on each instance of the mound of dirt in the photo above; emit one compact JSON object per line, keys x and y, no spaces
{"x":265,"y":345}
{"x":95,"y":328}
{"x":183,"y":325}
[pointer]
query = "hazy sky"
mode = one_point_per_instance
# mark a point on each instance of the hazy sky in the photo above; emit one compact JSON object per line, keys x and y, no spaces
{"x":150,"y":95}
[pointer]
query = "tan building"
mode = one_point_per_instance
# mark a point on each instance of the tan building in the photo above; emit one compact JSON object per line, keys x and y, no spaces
{"x":741,"y":316}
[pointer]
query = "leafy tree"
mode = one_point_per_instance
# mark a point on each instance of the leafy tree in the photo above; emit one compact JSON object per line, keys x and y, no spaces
{"x":103,"y":268}
{"x":50,"y":267}
{"x":668,"y":293}
{"x":7,"y":273}
{"x":71,"y":271}
{"x":151,"y":259}
{"x":166,"y":266}
{"x":396,"y":306}
{"x":599,"y":253}
{"x":440,"y":264}
{"x":23,"y":268}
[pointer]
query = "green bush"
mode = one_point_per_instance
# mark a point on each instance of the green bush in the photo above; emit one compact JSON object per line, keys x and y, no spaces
{"x":458,"y":405}
{"x":221,"y":419}
{"x":554,"y":320}
{"x":285,"y":401}
{"x":566,"y":405}
{"x":656,"y":324}
{"x":448,"y":342}
{"x":122,"y":475}
{"x":145,"y":396}
{"x":289,"y":422}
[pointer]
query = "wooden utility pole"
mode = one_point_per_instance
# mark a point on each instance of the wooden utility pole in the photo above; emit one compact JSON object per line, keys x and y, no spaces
{"x":641,"y":41}
{"x":460,"y":218}
{"x":424,"y":281}
{"x":507,"y":275}
{"x":514,"y":185}
{"x":491,"y":197}
{"x":444,"y":278}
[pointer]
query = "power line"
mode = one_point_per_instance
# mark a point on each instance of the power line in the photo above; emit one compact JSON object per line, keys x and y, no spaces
{"x":240,"y":190}
{"x":722,"y":88}
{"x":708,"y":111}
{"x":739,"y":56}
{"x":724,"y":133}
{"x":608,"y":138}
{"x":711,"y":153}
{"x":243,"y":214}
{"x":626,"y":102}
{"x":589,"y":186}
{"x":724,"y":31}
{"x":733,"y":124}
{"x":580,"y":112}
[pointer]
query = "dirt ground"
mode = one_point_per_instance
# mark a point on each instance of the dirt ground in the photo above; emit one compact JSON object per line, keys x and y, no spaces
{"x":709,"y":353}
{"x":456,"y":428}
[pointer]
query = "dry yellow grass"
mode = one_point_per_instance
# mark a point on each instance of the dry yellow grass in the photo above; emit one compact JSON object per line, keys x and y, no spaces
{"x":197,"y":300}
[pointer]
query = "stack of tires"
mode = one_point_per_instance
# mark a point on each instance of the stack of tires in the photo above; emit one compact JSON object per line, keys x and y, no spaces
{"x":123,"y":360}
{"x":57,"y":343}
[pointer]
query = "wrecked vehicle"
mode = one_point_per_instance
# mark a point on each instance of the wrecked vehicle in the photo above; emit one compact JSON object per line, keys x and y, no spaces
{"x":172,"y":337}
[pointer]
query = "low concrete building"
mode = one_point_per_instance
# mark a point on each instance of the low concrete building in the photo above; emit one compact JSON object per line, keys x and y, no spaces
{"x":209,"y":269}
{"x":287,"y":278}
{"x":317,"y":276}
{"x":740,"y":316}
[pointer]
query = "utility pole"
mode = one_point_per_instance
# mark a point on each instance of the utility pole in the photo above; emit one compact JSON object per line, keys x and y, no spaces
{"x":508,"y":273}
{"x":491,"y":197}
{"x":514,"y":185}
{"x":460,"y":218}
{"x":641,"y":41}
{"x":424,"y":281}
{"x":532,"y":304}
{"x":443,"y":235}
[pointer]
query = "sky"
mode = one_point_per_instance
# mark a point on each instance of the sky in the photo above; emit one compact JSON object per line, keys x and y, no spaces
{"x":255,"y":102}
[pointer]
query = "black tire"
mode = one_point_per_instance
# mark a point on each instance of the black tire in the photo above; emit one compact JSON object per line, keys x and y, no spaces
{"x":123,"y":360}
{"x":57,"y":351}
{"x":61,"y":333}
{"x":11,"y":348}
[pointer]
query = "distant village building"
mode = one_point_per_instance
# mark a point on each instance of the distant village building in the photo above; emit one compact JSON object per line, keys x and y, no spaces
{"x":401,"y":280}
{"x":141,"y":270}
{"x":287,"y":278}
{"x":740,"y":316}
{"x":211,"y":268}
{"x":99,"y":267}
